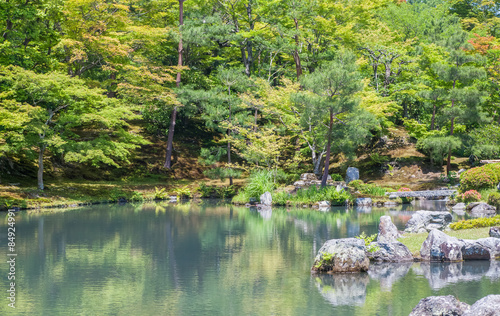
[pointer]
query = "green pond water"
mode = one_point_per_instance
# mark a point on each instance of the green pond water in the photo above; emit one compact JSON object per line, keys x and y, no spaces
{"x":214,"y":259}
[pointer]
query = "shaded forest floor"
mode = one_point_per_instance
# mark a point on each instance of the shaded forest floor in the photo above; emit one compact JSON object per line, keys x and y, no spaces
{"x":391,"y":162}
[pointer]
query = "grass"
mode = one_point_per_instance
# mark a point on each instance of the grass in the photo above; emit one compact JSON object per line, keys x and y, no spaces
{"x":414,"y":241}
{"x":68,"y":193}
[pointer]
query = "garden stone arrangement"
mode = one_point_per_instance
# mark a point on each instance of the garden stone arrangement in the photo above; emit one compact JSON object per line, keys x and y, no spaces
{"x":449,"y":305}
{"x":425,"y":221}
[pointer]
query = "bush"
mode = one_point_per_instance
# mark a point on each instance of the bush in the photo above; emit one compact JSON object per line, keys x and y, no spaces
{"x":494,"y":199}
{"x":184,"y":192}
{"x":476,"y":223}
{"x":259,"y":182}
{"x":403,"y":189}
{"x":241,"y":198}
{"x":314,"y":194}
{"x":336,"y":177}
{"x":483,"y":177}
{"x":469,"y":196}
{"x":356,"y":184}
{"x":160,"y":194}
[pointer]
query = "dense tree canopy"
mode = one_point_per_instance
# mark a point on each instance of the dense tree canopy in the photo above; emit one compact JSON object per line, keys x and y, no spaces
{"x":275,"y":83}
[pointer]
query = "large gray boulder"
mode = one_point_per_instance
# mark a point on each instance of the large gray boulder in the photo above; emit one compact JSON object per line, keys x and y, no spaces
{"x":495,"y":232}
{"x":440,"y":247}
{"x":482,"y":210}
{"x":341,"y":255}
{"x":266,"y":199}
{"x":387,"y":231}
{"x":490,"y":244}
{"x":351,"y":174}
{"x":390,"y":252}
{"x":425,"y":221}
{"x":487,"y":306}
{"x":440,"y":305}
{"x":474,"y":250}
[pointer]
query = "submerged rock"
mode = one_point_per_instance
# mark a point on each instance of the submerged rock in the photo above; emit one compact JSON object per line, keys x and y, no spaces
{"x":341,"y":255}
{"x":440,"y":305}
{"x":425,"y":221}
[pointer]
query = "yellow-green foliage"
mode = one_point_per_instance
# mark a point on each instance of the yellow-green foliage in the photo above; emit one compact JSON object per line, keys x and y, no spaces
{"x":475,"y":223}
{"x":494,"y":199}
{"x":486,"y":176}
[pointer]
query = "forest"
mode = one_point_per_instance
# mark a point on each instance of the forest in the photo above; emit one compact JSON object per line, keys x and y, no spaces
{"x":276,"y":85}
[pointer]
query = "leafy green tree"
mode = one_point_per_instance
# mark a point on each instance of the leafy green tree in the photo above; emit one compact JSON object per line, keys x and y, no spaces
{"x":458,"y":73}
{"x":334,"y":85}
{"x":60,"y":114}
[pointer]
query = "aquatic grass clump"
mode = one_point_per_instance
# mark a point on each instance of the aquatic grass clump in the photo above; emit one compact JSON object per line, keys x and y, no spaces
{"x":259,"y":182}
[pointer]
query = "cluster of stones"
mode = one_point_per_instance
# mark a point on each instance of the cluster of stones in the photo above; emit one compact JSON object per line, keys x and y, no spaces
{"x":449,"y":305}
{"x":352,"y":255}
{"x":310,"y":179}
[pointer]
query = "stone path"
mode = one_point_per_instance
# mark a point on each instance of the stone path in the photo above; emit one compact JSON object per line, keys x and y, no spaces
{"x":427,"y":194}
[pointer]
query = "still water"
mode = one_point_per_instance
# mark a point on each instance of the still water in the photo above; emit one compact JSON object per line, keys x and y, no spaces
{"x":214,"y":259}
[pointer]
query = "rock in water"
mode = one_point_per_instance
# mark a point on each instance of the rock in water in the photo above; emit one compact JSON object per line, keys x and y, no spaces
{"x":387,"y":231}
{"x":363,"y":201}
{"x":390,"y":252}
{"x":482,"y":210}
{"x":487,"y":306}
{"x":440,"y":247}
{"x":266,"y":199}
{"x":440,"y":305}
{"x":425,"y":221}
{"x":351,"y":174}
{"x":341,"y":255}
{"x":495,"y":232}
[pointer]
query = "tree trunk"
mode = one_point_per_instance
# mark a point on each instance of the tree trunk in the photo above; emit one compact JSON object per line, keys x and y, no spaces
{"x":296,"y":57}
{"x":433,"y":116}
{"x":328,"y":147}
{"x":448,"y":161}
{"x":40,"y":167}
{"x":170,"y":138}
{"x":228,"y":142}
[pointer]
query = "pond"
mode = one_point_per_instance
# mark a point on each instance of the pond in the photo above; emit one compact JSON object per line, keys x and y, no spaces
{"x":215,"y":259}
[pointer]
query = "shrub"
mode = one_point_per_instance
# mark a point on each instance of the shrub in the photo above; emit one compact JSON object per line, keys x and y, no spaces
{"x":160,"y":194}
{"x":225,"y":192}
{"x":494,"y":199}
{"x":336,"y":177}
{"x":356,"y":184}
{"x":259,"y":182}
{"x":184,"y":192}
{"x":476,"y":223}
{"x":483,"y":177}
{"x":136,"y":197}
{"x":403,"y":189}
{"x":206,"y":191}
{"x":241,"y":198}
{"x":470,"y":196}
{"x":281,"y":198}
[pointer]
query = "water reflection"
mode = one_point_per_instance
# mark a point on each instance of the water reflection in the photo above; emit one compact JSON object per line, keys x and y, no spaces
{"x":388,"y":273}
{"x":343,"y":289}
{"x":351,"y":289}
{"x":441,"y":275}
{"x":210,"y":259}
